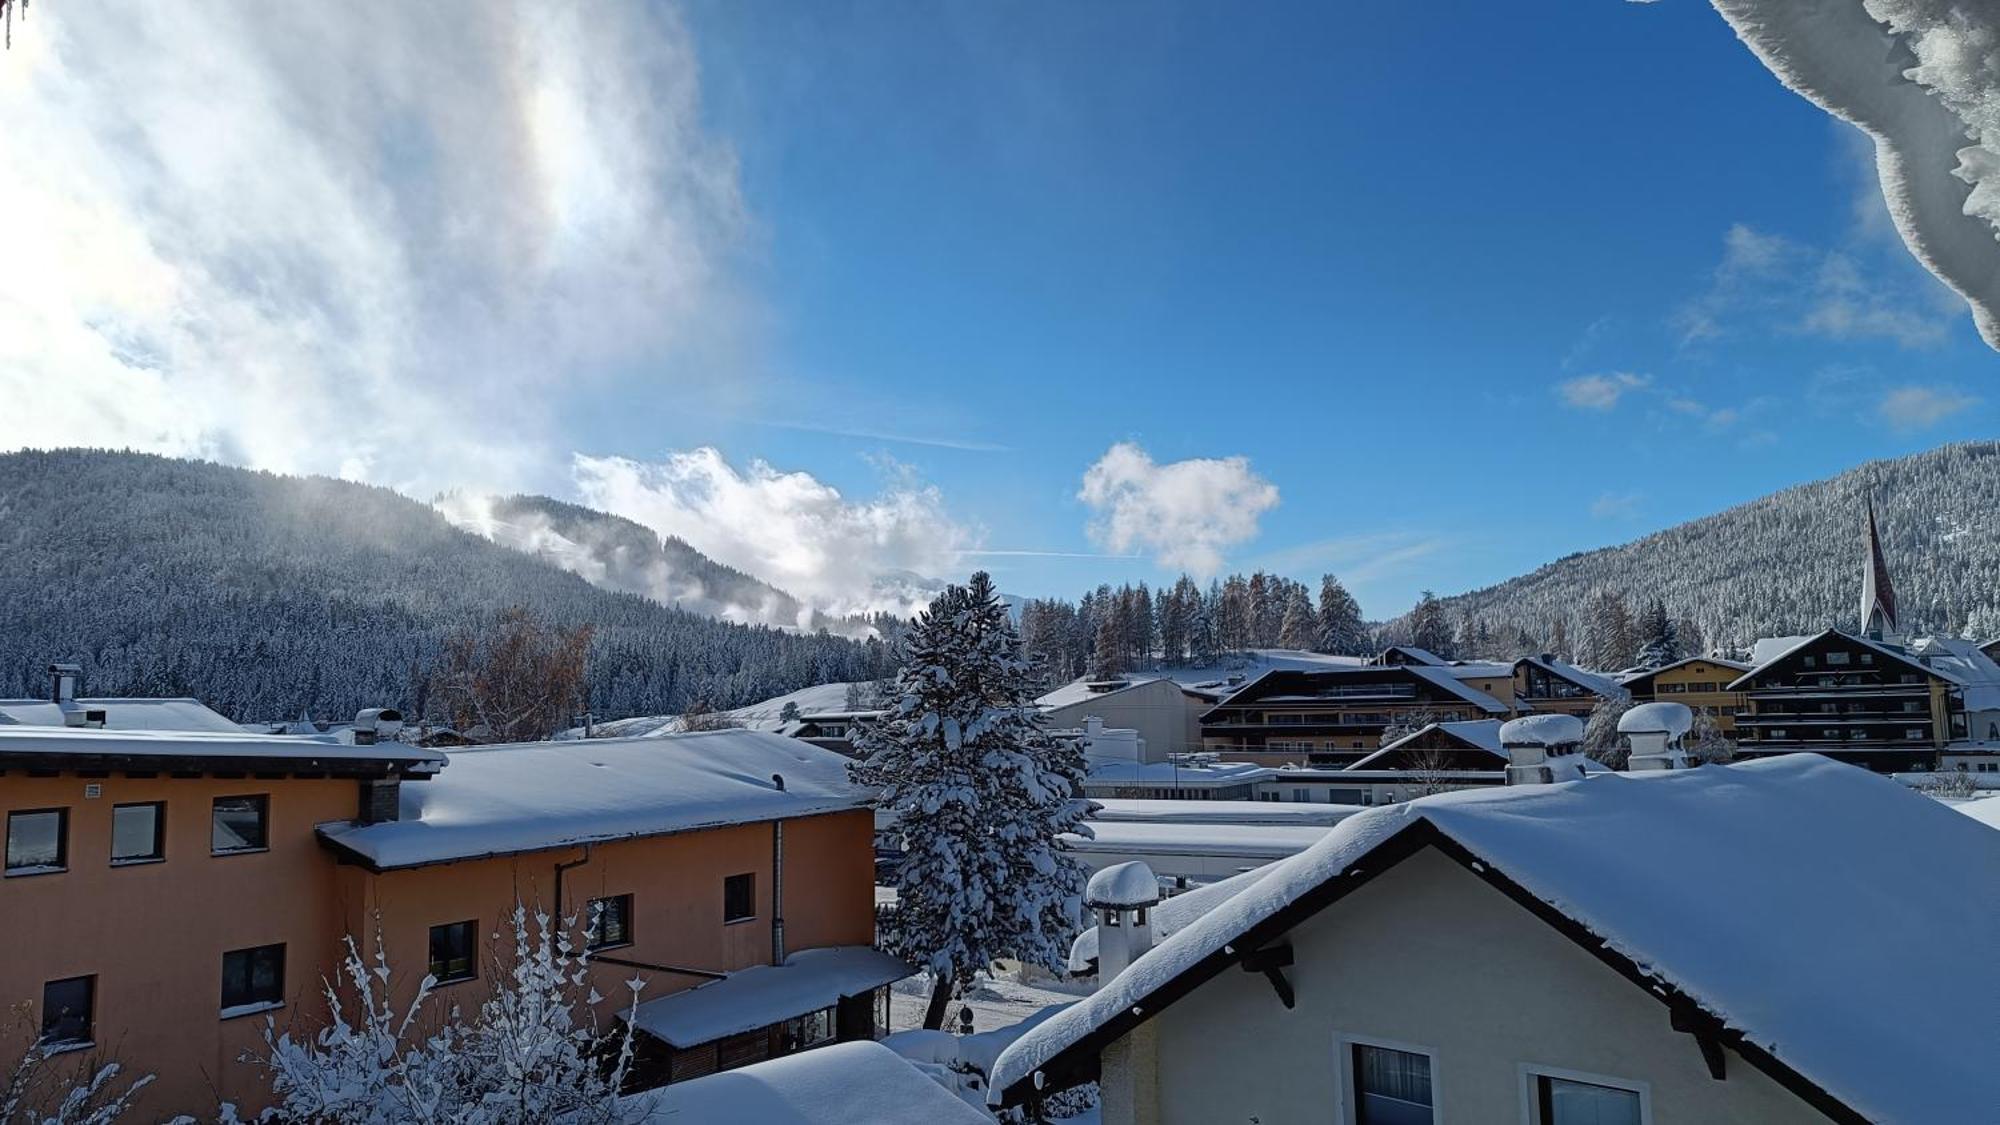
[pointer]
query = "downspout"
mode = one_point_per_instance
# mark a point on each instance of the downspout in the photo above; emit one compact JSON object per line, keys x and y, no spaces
{"x":562,"y":867}
{"x":778,"y":881}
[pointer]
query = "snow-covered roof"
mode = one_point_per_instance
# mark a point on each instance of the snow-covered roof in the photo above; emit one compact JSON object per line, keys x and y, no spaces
{"x":1170,"y":774}
{"x":497,"y":800}
{"x":1769,"y":650}
{"x":1754,"y":921}
{"x":1443,"y":678}
{"x":1247,"y":841}
{"x":1172,"y":914}
{"x":1419,"y":655}
{"x":1122,"y":885}
{"x":817,"y":699}
{"x":808,"y":981}
{"x":1718,"y":661}
{"x":186,"y":715}
{"x":1671,"y":719}
{"x":85,"y":744}
{"x":844,"y":1084}
{"x":1088,"y":688}
{"x":1481,"y":669}
{"x":1547,"y":729}
{"x":1966,"y":664}
{"x":1597,"y":683}
{"x":1216,"y":812}
{"x":1985,"y":810}
{"x":1482,"y":733}
{"x":1766,"y":649}
{"x":1208,"y":680}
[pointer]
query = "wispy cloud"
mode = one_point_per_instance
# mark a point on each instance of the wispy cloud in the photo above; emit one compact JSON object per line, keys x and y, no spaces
{"x":284,"y":236}
{"x":1614,"y":505}
{"x":1355,"y":558}
{"x":788,"y":528}
{"x":1766,"y":282}
{"x":1599,"y":392}
{"x":968,"y":445}
{"x":1022,"y":553}
{"x":1909,"y":409}
{"x":1184,"y":513}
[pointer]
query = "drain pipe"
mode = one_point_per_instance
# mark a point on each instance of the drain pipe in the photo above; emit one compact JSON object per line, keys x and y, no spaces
{"x":560,"y":868}
{"x":778,"y":881}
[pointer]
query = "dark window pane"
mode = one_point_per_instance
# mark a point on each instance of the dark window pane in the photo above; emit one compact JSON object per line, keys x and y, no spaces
{"x":739,"y":898}
{"x":135,"y":831}
{"x":452,"y":951}
{"x":66,"y":1010}
{"x":610,"y":921}
{"x":253,"y":976}
{"x":240,"y":824}
{"x":36,"y":839}
{"x":1391,"y":1087}
{"x":1582,"y":1103}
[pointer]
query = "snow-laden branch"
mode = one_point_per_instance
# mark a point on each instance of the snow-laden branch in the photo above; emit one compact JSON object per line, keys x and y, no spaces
{"x":1921,"y":77}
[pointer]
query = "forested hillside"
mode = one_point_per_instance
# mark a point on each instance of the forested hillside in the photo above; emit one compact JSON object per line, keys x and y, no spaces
{"x":265,"y":595}
{"x":1787,"y":563}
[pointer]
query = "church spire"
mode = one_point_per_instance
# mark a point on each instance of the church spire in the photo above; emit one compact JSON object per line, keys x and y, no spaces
{"x":1878,"y":597}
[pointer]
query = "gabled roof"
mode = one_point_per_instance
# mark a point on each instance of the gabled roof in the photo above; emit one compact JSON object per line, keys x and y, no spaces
{"x":1773,"y":655}
{"x":1437,"y":676}
{"x":1749,"y":938}
{"x":1736,"y":666}
{"x":1590,"y":681}
{"x":1470,"y":734}
{"x":524,"y":797}
{"x":1415,"y":654}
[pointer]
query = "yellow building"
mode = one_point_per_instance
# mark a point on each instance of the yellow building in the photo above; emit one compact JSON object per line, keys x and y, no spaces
{"x":1701,"y":682}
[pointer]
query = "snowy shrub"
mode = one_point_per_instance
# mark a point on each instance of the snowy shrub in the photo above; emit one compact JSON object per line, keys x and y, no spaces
{"x":1958,"y":784}
{"x":1601,"y":740}
{"x":37,"y":1091}
{"x":532,"y":1052}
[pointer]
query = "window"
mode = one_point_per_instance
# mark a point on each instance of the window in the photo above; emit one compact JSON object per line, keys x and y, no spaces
{"x":241,"y":825}
{"x":1834,"y":659}
{"x":253,"y":979}
{"x":739,"y":898}
{"x":37,"y":841}
{"x":611,"y":921}
{"x":1914,"y":734}
{"x":138,"y":833}
{"x":1391,"y":1087}
{"x":1672,"y":689}
{"x":1569,"y":1101}
{"x":809,"y":1030}
{"x":66,"y":1012}
{"x":454,"y":955}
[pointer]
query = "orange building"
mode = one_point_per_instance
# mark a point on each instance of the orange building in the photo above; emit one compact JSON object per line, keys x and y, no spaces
{"x":167,"y":893}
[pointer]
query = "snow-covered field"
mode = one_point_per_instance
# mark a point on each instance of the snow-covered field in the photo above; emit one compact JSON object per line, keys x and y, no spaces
{"x":996,"y":1001}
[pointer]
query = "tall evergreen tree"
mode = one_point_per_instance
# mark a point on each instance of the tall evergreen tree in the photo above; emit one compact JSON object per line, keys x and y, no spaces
{"x":1428,"y":628}
{"x":1610,"y":642}
{"x":1341,"y":630}
{"x":1659,"y":640}
{"x":980,"y":792}
{"x":1300,"y":623}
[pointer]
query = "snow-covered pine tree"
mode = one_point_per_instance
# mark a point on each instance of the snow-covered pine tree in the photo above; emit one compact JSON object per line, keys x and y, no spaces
{"x":1609,"y":643}
{"x":1428,"y":628}
{"x":1341,"y":630}
{"x":980,"y":792}
{"x":1601,"y":740}
{"x":1659,"y":639}
{"x":1204,"y":642}
{"x":1300,"y":623}
{"x":1705,"y":742}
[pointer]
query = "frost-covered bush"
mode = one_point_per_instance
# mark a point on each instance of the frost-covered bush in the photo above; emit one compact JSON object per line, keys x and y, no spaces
{"x":531,"y":1053}
{"x":37,"y":1091}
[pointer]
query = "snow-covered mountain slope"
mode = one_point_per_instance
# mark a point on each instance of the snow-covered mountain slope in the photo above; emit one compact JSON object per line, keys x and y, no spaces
{"x":263,"y":595}
{"x":1791,"y":562}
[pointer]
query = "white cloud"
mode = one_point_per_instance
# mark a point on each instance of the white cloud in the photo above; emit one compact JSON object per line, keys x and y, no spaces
{"x":790,"y":529}
{"x":1183,"y":513}
{"x":1612,"y":505}
{"x":1917,"y":408}
{"x":1599,"y":392}
{"x":292,"y":237}
{"x":1769,"y":282}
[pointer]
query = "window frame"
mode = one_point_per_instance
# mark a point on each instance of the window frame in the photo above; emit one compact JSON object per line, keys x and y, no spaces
{"x":592,"y":941}
{"x":1531,"y":1089}
{"x":1348,"y":1094}
{"x":251,"y":1007}
{"x":89,"y":1017}
{"x":471,"y":929}
{"x":159,"y":852}
{"x":263,"y":820}
{"x":28,"y":870}
{"x":729,"y":919}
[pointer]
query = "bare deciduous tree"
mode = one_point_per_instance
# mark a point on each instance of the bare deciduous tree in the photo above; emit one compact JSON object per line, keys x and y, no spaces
{"x":700,"y":716}
{"x":516,"y":680}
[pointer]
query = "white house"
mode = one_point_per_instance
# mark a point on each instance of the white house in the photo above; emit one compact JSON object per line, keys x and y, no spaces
{"x":1746,"y":943}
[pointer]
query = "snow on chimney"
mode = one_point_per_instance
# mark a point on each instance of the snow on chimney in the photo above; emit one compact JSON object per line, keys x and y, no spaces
{"x":1123,"y":895}
{"x":374,"y":724}
{"x":1655,"y":731}
{"x":63,"y":679}
{"x":1542,"y":749}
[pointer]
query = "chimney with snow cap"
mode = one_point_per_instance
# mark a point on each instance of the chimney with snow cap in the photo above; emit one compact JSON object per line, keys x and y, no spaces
{"x":1542,"y":749}
{"x":376,"y":724}
{"x":1655,"y":731}
{"x":1123,"y":896}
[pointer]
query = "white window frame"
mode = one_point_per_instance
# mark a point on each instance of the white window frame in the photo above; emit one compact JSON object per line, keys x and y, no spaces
{"x":1348,"y":1101}
{"x":1531,"y":1086}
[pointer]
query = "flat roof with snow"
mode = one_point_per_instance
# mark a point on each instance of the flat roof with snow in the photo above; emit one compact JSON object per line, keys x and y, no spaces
{"x":846,"y":1084}
{"x":1783,"y":927}
{"x":499,"y":800}
{"x":184,"y":715}
{"x":757,"y":997}
{"x":84,"y":748}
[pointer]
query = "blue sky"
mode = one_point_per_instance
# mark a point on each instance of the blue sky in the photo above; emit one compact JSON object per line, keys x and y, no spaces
{"x":1470,"y":286}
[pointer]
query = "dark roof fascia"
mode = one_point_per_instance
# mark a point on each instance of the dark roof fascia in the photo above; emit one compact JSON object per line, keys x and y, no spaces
{"x":1404,"y":843}
{"x":365,"y":769}
{"x":1738,"y":684}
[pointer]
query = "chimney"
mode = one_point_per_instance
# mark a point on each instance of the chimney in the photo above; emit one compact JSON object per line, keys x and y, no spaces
{"x":1542,"y":749}
{"x":1655,"y":731}
{"x":1093,"y":727}
{"x":381,"y":800}
{"x":63,"y":679}
{"x":1122,"y":896}
{"x":377,"y":724}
